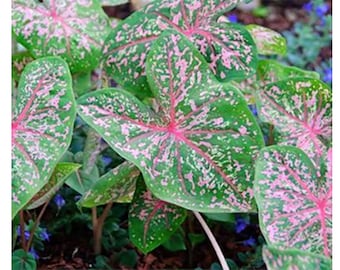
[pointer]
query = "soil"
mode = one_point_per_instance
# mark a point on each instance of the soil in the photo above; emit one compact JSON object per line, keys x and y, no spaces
{"x":75,"y":251}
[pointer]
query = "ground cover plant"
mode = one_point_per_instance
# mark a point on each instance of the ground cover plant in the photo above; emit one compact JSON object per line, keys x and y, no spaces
{"x":174,"y":113}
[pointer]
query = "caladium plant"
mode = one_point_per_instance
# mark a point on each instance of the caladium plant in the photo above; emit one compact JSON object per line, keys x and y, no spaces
{"x":294,"y":199}
{"x":152,"y":221}
{"x":227,"y":47}
{"x":72,"y":29}
{"x":42,"y":124}
{"x":198,"y":150}
{"x":300,"y":109}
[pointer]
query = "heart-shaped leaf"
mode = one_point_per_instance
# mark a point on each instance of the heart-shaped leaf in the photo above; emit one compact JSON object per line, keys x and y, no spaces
{"x":228,"y":48}
{"x":72,"y":29}
{"x":118,"y":185}
{"x":198,"y":151}
{"x":42,"y":125}
{"x":294,"y":202}
{"x":294,"y":260}
{"x":268,"y":42}
{"x":152,"y":221}
{"x":300,"y":109}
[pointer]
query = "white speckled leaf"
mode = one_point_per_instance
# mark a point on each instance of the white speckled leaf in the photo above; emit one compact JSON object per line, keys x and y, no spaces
{"x":293,"y":259}
{"x":228,"y":48}
{"x":152,"y":221}
{"x":118,"y":185}
{"x":300,"y":109}
{"x":294,"y":200}
{"x":61,"y":172}
{"x":268,"y":42}
{"x":198,"y":151}
{"x":72,"y":29}
{"x":42,"y":125}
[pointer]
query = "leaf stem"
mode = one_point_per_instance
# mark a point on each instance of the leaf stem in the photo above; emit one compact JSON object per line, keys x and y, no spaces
{"x":42,"y":211}
{"x":212,"y":240}
{"x":22,"y":230}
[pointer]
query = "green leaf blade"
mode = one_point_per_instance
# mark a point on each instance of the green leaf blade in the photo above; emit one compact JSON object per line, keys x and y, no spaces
{"x":152,"y":221}
{"x":73,"y":30}
{"x":42,"y":126}
{"x":295,"y":204}
{"x":182,"y":151}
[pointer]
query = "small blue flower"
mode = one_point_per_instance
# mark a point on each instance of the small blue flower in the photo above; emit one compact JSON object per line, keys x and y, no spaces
{"x":328,"y":75}
{"x":232,"y":18}
{"x":45,"y":235}
{"x":308,"y":7}
{"x":106,"y":160}
{"x":34,"y":253}
{"x":241,"y":224}
{"x":322,"y":10}
{"x":250,"y":242}
{"x":27,"y":233}
{"x":59,"y":201}
{"x":253,"y":109}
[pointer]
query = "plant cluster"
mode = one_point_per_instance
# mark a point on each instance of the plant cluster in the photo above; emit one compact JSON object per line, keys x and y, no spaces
{"x":201,"y":121}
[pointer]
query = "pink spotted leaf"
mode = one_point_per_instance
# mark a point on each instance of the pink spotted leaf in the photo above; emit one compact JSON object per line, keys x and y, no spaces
{"x":300,"y":109}
{"x":198,"y":150}
{"x":293,"y":259}
{"x":118,"y":185}
{"x":60,"y":174}
{"x":72,"y":29}
{"x":268,"y":42}
{"x":294,"y":200}
{"x":229,"y":48}
{"x":152,"y":221}
{"x":42,"y":125}
{"x":19,"y":61}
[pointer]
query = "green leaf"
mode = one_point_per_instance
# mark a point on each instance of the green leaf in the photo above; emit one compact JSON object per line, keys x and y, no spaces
{"x":61,"y":172}
{"x":294,"y":200}
{"x":118,"y":185}
{"x":22,"y":260}
{"x":42,"y":125}
{"x":175,"y":243}
{"x":82,"y":83}
{"x":81,"y":181}
{"x":72,"y":29}
{"x":196,"y":238}
{"x":229,"y":48}
{"x":152,"y":221}
{"x":113,"y":2}
{"x":301,"y":111}
{"x":198,"y":150}
{"x":269,"y":71}
{"x":290,"y":259}
{"x":268,"y":42}
{"x":223,"y":217}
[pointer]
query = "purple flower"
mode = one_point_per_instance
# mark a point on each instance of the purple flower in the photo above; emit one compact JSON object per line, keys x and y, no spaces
{"x":26,"y":233}
{"x":232,"y":18}
{"x":322,"y":9}
{"x":253,"y":109}
{"x":34,"y":253}
{"x":45,"y":235}
{"x":250,"y":242}
{"x":59,"y":201}
{"x":241,"y":224}
{"x":308,"y":7}
{"x":106,"y":160}
{"x":328,"y":75}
